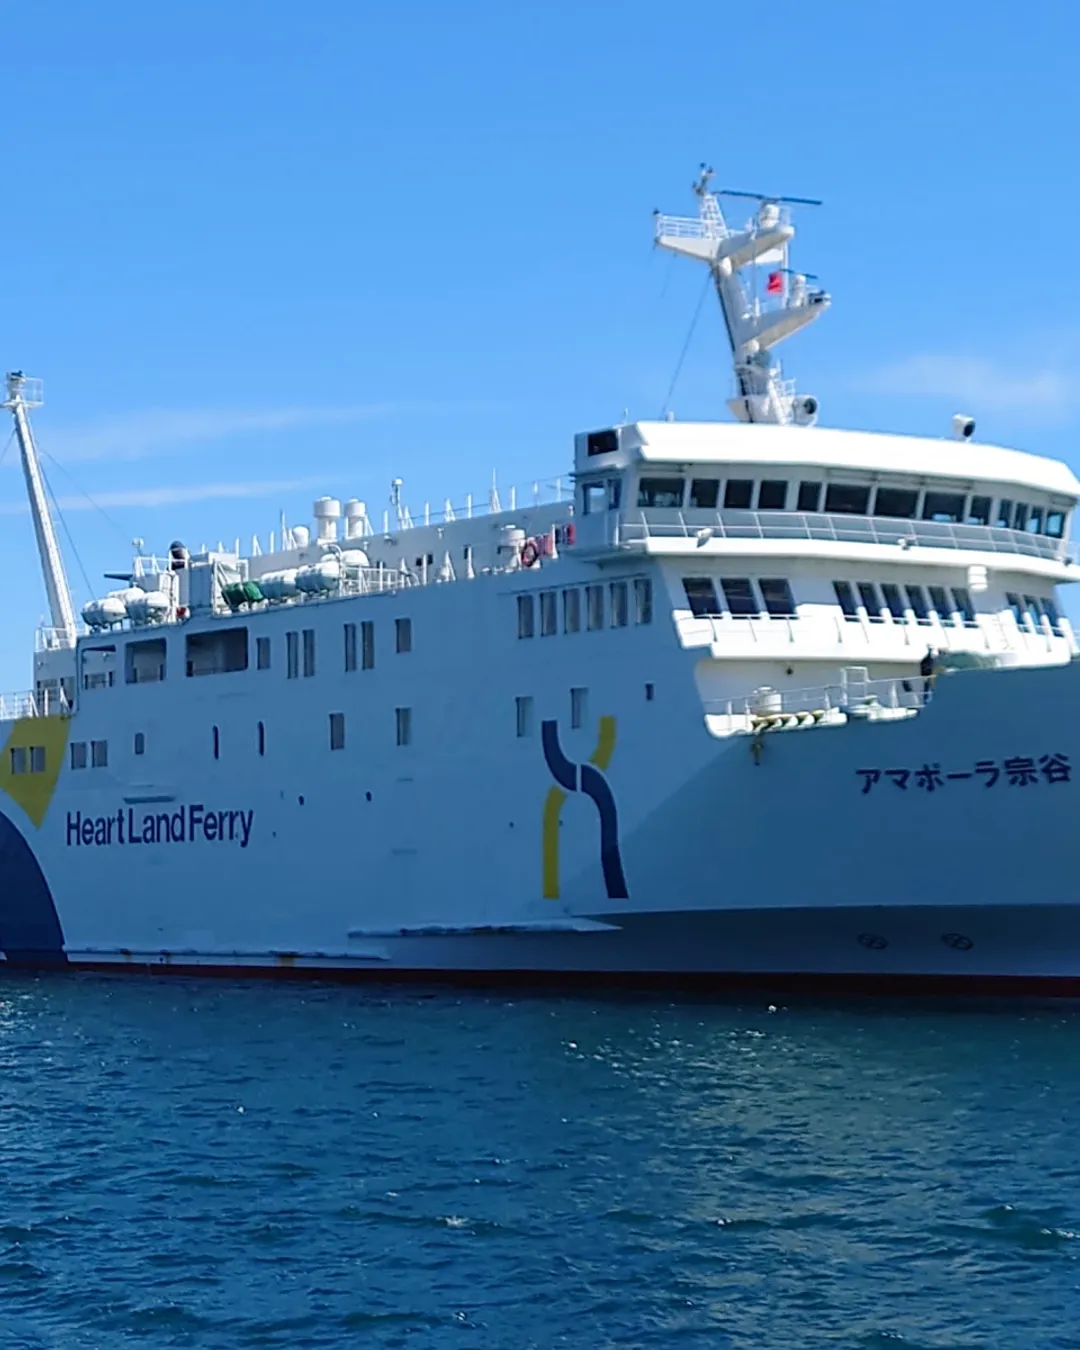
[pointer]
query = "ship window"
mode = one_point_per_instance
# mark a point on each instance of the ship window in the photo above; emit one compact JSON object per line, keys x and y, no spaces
{"x":893,"y":602}
{"x":738,"y":493}
{"x":549,"y":613}
{"x":593,"y":498}
{"x":1031,"y":606}
{"x":292,"y":662}
{"x":701,"y":597}
{"x":1055,"y":524}
{"x":1004,"y":516}
{"x":403,"y":634}
{"x":594,"y":607}
{"x":704,"y":493}
{"x":896,"y":503}
{"x":809,"y":496}
{"x":868,"y":598}
{"x":602,"y":442}
{"x":18,"y":759}
{"x":78,"y":754}
{"x":643,"y":600}
{"x":614,"y":494}
{"x":620,"y":615}
{"x":140,"y":743}
{"x":1035,"y":520}
{"x":219,"y":652}
{"x":650,"y":692}
{"x":367,"y":645}
{"x":262,"y":653}
{"x":964,"y":608}
{"x":99,"y":754}
{"x":846,"y":598}
{"x":578,"y":701}
{"x":947,"y":507}
{"x":1051,"y":612}
{"x":526,"y":616}
{"x":1020,"y":516}
{"x":350,"y":646}
{"x":337,"y":731}
{"x":1016,"y":607}
{"x":940,"y":602}
{"x":571,"y":610}
{"x":523,"y":709}
{"x":144,"y":662}
{"x":660,"y":492}
{"x":978,"y":511}
{"x":847,"y":499}
{"x":739,"y":596}
{"x":917,"y":600}
{"x":37,"y":759}
{"x":217,"y":743}
{"x":772,"y":495}
{"x":309,"y":652}
{"x":262,"y":738}
{"x":403,"y":719}
{"x":777,"y":596}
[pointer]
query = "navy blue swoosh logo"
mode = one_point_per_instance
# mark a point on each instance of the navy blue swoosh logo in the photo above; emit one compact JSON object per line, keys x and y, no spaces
{"x":595,"y":785}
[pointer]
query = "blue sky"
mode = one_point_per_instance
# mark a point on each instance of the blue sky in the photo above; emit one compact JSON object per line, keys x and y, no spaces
{"x":259,"y":251}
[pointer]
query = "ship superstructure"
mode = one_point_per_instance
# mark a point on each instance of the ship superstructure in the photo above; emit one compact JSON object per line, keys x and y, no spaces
{"x":667,"y":719}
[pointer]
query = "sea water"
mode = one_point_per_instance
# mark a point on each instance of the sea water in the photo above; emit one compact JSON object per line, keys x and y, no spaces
{"x":217,"y":1164}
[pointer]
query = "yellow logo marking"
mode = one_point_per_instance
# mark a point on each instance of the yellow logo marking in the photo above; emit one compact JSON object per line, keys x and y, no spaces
{"x":34,"y":791}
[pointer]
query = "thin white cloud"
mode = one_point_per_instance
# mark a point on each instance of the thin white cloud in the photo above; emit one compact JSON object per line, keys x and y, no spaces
{"x":977,"y":383}
{"x":148,"y":498}
{"x":133,"y":435}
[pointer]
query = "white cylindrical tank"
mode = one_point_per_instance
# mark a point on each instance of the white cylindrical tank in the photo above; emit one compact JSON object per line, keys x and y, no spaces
{"x":278,"y":585}
{"x":104,"y":613}
{"x":148,"y":607}
{"x":353,"y":562}
{"x":355,"y":519}
{"x":321,"y":576}
{"x":327,"y":513}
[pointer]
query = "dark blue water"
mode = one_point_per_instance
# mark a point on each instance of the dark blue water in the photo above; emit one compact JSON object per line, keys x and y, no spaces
{"x":204,"y":1164}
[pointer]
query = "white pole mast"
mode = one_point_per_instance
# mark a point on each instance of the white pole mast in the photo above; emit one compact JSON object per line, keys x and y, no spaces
{"x":23,"y":394}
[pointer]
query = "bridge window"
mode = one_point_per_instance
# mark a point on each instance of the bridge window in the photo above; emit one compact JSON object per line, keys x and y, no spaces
{"x":1051,"y":612}
{"x":738,"y":493}
{"x":602,"y":442}
{"x":594,"y":607}
{"x":337,"y":731}
{"x":939,"y":602}
{"x":1020,"y":516}
{"x":1035,"y":520}
{"x":739,"y":596}
{"x":1017,"y":608}
{"x":78,"y":754}
{"x":526,"y":616}
{"x":777,"y":596}
{"x":1003,"y":520}
{"x":978,"y":512}
{"x":893,"y":601}
{"x":643,"y":600}
{"x":1055,"y":524}
{"x":847,"y":499}
{"x":620,"y":610}
{"x":896,"y":503}
{"x":772,"y":495}
{"x":1033,"y":611}
{"x":701,"y":597}
{"x":917,"y":601}
{"x":593,"y":498}
{"x":218,"y":652}
{"x":846,"y":599}
{"x":947,"y":507}
{"x":809,"y":496}
{"x":868,"y":598}
{"x":571,"y":609}
{"x":660,"y":492}
{"x":964,"y":607}
{"x":704,"y":493}
{"x":549,"y":613}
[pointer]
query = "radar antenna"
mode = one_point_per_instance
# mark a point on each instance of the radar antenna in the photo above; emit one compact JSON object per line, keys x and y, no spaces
{"x":756,"y":316}
{"x":23,"y":394}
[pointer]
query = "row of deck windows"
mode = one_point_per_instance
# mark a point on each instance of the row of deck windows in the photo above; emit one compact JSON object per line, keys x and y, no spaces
{"x":897,"y":503}
{"x":740,"y":597}
{"x":609,"y":607}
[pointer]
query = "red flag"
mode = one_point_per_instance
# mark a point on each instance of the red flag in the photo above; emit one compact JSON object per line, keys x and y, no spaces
{"x":775,"y":283}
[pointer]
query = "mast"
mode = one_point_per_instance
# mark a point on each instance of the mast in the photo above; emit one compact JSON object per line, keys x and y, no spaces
{"x":23,"y":394}
{"x":755,"y":322}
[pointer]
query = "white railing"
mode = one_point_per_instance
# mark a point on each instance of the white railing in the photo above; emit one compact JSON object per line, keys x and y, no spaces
{"x":30,"y":704}
{"x":779,"y":709}
{"x":703,"y":525}
{"x":689,"y":227}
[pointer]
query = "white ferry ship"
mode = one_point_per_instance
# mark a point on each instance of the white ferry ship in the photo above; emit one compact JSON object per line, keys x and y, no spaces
{"x":674,"y":724}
